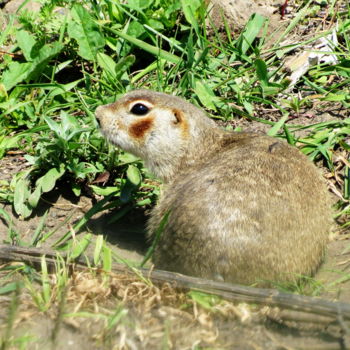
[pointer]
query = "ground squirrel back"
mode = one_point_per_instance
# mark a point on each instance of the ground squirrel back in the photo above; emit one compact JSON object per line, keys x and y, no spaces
{"x":243,"y":207}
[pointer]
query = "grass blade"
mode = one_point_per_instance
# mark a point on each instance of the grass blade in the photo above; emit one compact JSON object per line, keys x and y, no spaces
{"x":156,"y":51}
{"x":156,"y":239}
{"x":274,"y":130}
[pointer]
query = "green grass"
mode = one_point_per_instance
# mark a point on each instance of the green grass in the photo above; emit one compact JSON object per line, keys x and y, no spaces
{"x":60,"y":66}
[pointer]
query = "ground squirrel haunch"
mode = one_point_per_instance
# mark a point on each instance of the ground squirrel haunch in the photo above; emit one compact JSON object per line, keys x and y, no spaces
{"x":243,"y":207}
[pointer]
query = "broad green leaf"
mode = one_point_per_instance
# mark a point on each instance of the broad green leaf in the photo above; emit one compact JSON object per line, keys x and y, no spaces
{"x":76,"y":132}
{"x":48,"y":181}
{"x":26,"y":43}
{"x":45,"y":54}
{"x":34,"y":197}
{"x":189,"y":8}
{"x":136,"y":29}
{"x":307,"y":150}
{"x":143,"y":202}
{"x":73,"y":146}
{"x":105,"y":191}
{"x":18,"y":72}
{"x":261,"y":71}
{"x":86,"y":32}
{"x":76,"y":189}
{"x":81,"y":169}
{"x":15,"y":73}
{"x":133,"y":175}
{"x":106,"y":63}
{"x":274,"y":130}
{"x":248,"y":107}
{"x":21,"y":195}
{"x":117,"y":13}
{"x":68,"y":123}
{"x":126,"y":158}
{"x":271,"y":89}
{"x":8,"y":142}
{"x":206,"y":95}
{"x":55,"y":127}
{"x":116,"y":70}
{"x":45,"y":184}
{"x":157,"y":25}
{"x":250,"y":32}
{"x":62,"y":66}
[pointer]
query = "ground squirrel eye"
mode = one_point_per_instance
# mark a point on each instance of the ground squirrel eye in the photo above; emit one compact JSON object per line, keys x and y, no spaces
{"x":139,"y":109}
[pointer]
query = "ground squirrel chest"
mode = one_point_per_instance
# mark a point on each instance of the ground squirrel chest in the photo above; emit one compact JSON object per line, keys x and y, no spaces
{"x":243,"y":207}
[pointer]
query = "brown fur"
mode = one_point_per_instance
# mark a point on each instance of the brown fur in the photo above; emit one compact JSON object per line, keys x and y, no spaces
{"x":243,"y":207}
{"x":140,"y":127}
{"x":181,"y":122}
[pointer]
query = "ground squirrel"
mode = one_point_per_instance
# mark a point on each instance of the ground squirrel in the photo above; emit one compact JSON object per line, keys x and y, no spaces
{"x":243,"y":207}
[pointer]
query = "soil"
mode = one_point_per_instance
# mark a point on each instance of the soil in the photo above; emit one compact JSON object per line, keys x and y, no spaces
{"x":161,"y":317}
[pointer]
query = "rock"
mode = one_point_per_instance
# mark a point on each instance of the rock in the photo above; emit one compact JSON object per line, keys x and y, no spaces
{"x":237,"y":12}
{"x":12,"y":6}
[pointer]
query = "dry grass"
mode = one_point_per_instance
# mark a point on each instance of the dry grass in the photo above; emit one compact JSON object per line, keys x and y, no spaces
{"x":121,"y":311}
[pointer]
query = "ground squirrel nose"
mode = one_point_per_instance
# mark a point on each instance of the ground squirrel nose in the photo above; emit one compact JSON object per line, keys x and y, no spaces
{"x":99,"y":114}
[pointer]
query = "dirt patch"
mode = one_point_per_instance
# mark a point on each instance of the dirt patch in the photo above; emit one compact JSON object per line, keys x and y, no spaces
{"x":63,"y":210}
{"x":238,"y":12}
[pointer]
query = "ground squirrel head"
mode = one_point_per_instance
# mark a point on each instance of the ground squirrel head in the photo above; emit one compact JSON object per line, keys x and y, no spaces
{"x":159,"y":128}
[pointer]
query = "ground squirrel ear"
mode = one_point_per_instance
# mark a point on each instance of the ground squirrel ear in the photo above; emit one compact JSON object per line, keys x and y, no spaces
{"x":178,"y":116}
